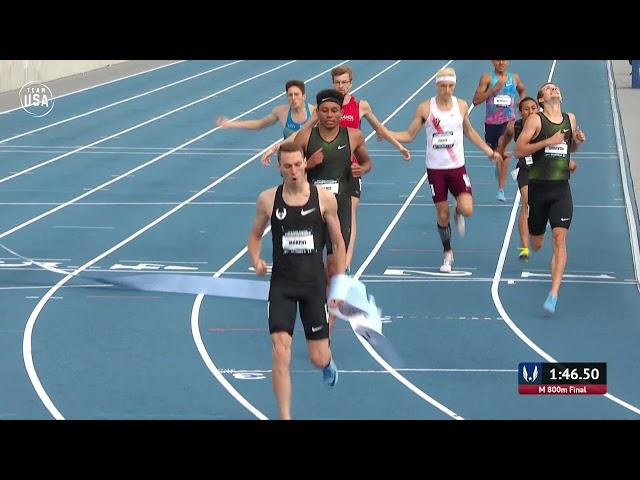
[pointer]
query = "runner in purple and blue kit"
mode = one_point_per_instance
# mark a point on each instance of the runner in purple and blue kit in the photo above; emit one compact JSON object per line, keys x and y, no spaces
{"x":498,"y":89}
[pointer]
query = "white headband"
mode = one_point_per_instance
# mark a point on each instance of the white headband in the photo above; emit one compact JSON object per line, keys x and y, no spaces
{"x":446,"y":78}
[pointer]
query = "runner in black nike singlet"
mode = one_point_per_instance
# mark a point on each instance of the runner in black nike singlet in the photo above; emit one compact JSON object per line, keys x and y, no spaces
{"x":300,"y":214}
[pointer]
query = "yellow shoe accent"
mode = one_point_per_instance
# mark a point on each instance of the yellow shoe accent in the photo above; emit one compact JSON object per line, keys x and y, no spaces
{"x":524,"y":253}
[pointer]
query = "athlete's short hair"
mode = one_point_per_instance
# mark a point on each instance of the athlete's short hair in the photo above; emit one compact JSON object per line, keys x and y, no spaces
{"x":541,"y":94}
{"x":329,"y":95}
{"x":341,"y":70}
{"x":294,"y":83}
{"x":526,"y":99}
{"x":290,"y":148}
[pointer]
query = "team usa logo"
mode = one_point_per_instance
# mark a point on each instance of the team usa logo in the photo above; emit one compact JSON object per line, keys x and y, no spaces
{"x":36,"y":99}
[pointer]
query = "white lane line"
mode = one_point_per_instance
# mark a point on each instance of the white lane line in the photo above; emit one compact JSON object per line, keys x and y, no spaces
{"x":498,"y":303}
{"x":367,"y":204}
{"x":28,"y":332}
{"x":368,"y":260}
{"x":198,"y":302}
{"x":142,"y":124}
{"x":195,"y":312}
{"x":631,"y":219}
{"x":84,"y":227}
{"x":27,"y":341}
{"x":386,"y":151}
{"x":417,"y":370}
{"x":104,"y":83}
{"x":144,"y":165}
{"x":95,"y":110}
{"x":37,"y":287}
{"x":373,"y":353}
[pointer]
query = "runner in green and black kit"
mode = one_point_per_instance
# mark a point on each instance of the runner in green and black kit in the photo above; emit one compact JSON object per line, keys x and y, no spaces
{"x":328,"y":148}
{"x":550,"y":137}
{"x":334,"y":174}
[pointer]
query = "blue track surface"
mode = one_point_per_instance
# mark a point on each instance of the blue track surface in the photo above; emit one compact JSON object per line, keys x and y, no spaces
{"x":92,"y":352}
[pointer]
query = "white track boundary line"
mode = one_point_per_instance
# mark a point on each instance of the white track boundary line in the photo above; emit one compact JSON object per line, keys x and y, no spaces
{"x":498,"y":303}
{"x":631,"y":219}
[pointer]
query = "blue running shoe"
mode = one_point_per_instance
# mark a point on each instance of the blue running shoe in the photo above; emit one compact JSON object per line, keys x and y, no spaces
{"x":330,"y":374}
{"x":500,"y":196}
{"x":550,"y":304}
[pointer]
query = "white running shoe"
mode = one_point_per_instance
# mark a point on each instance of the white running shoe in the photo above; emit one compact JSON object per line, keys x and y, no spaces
{"x":458,"y":218}
{"x":447,"y":262}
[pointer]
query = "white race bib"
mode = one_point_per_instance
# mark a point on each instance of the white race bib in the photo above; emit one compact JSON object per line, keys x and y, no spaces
{"x":298,"y":241}
{"x":528,"y":160}
{"x":502,"y":101}
{"x":331,"y":185}
{"x":443,"y":140}
{"x":559,"y":149}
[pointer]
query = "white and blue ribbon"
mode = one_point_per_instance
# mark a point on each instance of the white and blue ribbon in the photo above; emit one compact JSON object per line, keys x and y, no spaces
{"x":362,"y":313}
{"x":194,"y":284}
{"x":353,"y":304}
{"x":170,"y":282}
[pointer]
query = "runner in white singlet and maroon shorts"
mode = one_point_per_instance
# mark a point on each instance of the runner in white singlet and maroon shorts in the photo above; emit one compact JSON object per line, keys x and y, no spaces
{"x":446,"y":119}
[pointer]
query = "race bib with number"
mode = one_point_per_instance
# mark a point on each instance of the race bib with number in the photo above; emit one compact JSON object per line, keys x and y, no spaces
{"x":502,"y":101}
{"x":443,"y":140}
{"x":559,"y":149}
{"x":331,"y":185}
{"x":298,"y":241}
{"x":528,"y":160}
